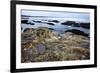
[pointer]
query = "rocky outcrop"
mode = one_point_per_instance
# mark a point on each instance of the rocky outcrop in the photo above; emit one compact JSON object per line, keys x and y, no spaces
{"x":42,"y":44}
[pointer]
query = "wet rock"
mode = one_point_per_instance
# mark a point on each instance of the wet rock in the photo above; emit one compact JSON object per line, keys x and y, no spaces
{"x":28,"y":30}
{"x":51,"y":23}
{"x":68,"y":23}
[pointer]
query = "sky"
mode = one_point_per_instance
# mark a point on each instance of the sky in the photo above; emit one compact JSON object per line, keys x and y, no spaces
{"x":53,"y":14}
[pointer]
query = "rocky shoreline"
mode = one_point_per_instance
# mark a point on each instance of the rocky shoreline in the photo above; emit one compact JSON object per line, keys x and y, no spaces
{"x":42,"y":44}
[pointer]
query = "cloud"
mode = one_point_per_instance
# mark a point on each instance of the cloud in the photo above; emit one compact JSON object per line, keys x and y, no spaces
{"x":53,"y":14}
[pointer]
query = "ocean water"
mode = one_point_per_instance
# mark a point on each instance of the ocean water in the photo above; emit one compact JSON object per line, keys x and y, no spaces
{"x":60,"y":28}
{"x":57,"y":26}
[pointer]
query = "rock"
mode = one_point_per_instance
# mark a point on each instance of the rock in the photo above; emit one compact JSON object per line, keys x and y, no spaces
{"x":51,"y":23}
{"x":56,"y":21}
{"x":68,"y":23}
{"x":85,"y":45}
{"x":69,"y":33}
{"x":66,"y":35}
{"x":43,"y":44}
{"x":55,"y":33}
{"x":29,"y":30}
{"x":40,"y":48}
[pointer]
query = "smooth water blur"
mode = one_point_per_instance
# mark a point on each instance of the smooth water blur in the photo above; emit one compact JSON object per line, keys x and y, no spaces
{"x":57,"y":26}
